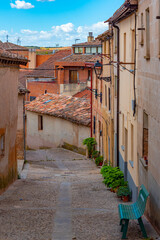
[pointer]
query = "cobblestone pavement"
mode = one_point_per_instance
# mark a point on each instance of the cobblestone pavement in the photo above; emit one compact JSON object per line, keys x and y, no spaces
{"x":60,"y":196}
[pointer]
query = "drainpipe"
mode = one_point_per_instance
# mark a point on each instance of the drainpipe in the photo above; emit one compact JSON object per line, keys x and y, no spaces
{"x":118,"y":80}
{"x":91,"y":100}
{"x":24,"y":127}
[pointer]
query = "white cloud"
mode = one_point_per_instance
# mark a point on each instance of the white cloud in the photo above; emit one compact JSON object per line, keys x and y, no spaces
{"x":68,"y":27}
{"x":3,"y":32}
{"x":45,"y":0}
{"x":28,"y":32}
{"x":21,"y":5}
{"x":64,"y":34}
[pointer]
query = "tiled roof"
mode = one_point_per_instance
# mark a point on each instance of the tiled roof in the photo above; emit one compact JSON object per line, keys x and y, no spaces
{"x":104,"y":34}
{"x":49,"y":64}
{"x":127,"y":8}
{"x":80,"y":58}
{"x":86,"y":93}
{"x":22,"y":81}
{"x":77,"y":110}
{"x":22,"y":77}
{"x":14,"y":47}
{"x":7,"y":57}
{"x":94,"y":43}
{"x":22,"y":89}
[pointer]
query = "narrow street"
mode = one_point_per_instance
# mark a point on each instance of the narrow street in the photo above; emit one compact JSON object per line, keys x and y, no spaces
{"x":60,"y":196}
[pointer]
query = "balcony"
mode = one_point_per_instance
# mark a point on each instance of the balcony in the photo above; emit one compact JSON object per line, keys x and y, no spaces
{"x":72,"y":88}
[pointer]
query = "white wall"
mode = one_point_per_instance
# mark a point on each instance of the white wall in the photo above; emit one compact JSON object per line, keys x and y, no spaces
{"x":55,"y":132}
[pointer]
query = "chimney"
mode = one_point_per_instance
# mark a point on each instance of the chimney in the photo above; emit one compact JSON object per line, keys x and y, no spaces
{"x":90,"y":37}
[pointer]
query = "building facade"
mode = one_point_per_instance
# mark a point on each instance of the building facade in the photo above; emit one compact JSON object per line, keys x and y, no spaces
{"x":49,"y":113}
{"x":124,"y":23}
{"x":148,"y":105}
{"x":9,"y":64}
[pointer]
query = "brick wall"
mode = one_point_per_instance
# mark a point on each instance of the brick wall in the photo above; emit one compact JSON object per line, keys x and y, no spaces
{"x":38,"y":88}
{"x":42,"y":58}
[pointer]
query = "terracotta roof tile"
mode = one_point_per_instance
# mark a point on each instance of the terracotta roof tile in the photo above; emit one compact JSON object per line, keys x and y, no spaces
{"x":49,"y":64}
{"x":80,"y":58}
{"x":87,"y":44}
{"x":73,"y":109}
{"x":86,"y":93}
{"x":5,"y":55}
{"x":127,"y":8}
{"x":13,"y":47}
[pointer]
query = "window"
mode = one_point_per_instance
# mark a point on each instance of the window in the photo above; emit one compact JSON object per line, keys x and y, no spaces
{"x":99,"y":49}
{"x":106,"y":95}
{"x":32,"y":98}
{"x":126,"y":146}
{"x":88,"y":50}
{"x":115,"y":86}
{"x":40,"y":122}
{"x":94,"y":50}
{"x":142,"y":26}
{"x":115,"y":41}
{"x":159,"y":28}
{"x":45,"y":91}
{"x":124,"y":53}
{"x":2,"y":145}
{"x":89,"y":75}
{"x":122,"y":126}
{"x":94,"y":125}
{"x":104,"y":47}
{"x":109,"y":99}
{"x":145,"y":136}
{"x":73,"y":76}
{"x":132,"y":142}
{"x":147,"y":34}
{"x":78,"y":50}
{"x":133,"y":47}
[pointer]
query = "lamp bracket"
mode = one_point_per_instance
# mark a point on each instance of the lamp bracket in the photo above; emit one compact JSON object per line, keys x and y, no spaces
{"x":106,"y":79}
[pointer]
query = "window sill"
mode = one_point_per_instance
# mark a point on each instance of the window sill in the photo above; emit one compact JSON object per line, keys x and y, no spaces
{"x":131,"y":163}
{"x":123,"y":148}
{"x":144,"y":163}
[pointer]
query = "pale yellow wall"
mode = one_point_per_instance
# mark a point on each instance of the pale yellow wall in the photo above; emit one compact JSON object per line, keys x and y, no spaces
{"x":127,"y":95}
{"x":55,"y":132}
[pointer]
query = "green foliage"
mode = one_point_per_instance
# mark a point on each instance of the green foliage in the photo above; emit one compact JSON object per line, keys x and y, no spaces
{"x":90,"y":143}
{"x":123,"y":191}
{"x":95,"y":154}
{"x":113,"y":177}
{"x":99,"y":160}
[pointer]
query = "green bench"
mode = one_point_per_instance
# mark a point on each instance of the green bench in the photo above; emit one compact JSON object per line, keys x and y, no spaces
{"x":133,"y":211}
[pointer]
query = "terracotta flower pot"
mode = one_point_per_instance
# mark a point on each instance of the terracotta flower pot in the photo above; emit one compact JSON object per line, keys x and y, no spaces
{"x":125,"y":198}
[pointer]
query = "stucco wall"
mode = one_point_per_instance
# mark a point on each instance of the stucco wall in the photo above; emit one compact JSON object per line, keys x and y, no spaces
{"x":20,"y":134}
{"x":149,"y":102}
{"x":8,"y":124}
{"x":128,"y":122}
{"x":55,"y":133}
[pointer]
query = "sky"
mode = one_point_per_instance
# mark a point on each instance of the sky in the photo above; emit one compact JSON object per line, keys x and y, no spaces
{"x":50,"y":22}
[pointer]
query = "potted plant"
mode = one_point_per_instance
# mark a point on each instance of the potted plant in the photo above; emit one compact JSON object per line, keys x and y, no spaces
{"x":124,"y":192}
{"x":95,"y":154}
{"x":99,"y":161}
{"x":90,"y":143}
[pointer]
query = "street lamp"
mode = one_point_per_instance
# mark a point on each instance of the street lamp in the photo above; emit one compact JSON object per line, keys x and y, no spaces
{"x":98,"y":69}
